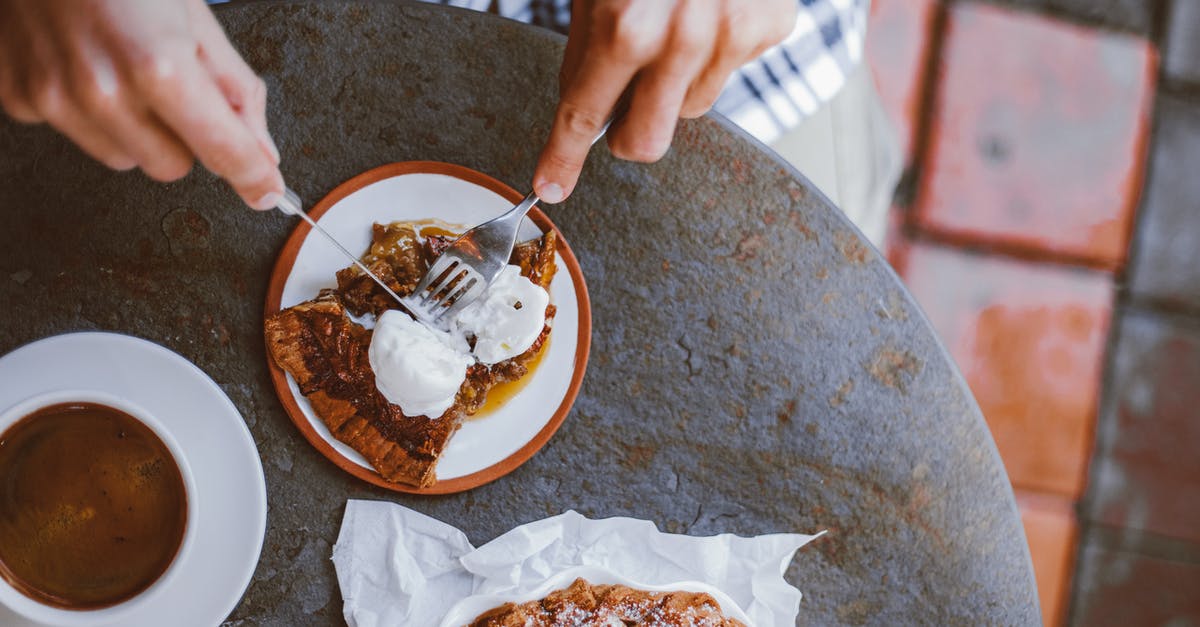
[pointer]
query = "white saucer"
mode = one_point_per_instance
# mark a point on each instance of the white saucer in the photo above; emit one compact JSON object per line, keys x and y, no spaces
{"x":231,"y":492}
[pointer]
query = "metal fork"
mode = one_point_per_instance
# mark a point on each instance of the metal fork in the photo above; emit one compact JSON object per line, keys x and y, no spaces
{"x":461,"y":274}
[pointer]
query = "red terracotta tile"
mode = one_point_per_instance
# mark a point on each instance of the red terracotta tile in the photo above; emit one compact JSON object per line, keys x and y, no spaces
{"x":1030,"y":341}
{"x":1051,"y":530}
{"x":1146,"y":474}
{"x":1038,"y":138}
{"x":898,"y":35}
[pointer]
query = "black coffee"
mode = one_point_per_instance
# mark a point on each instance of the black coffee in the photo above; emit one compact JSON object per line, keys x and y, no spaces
{"x":92,"y":506}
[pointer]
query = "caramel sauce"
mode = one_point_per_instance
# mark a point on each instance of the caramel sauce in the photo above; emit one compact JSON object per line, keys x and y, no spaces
{"x":432,"y":226}
{"x":395,"y":239}
{"x":93,"y":507}
{"x":503,"y":392}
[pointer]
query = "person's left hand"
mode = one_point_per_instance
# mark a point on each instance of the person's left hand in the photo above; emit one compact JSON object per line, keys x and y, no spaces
{"x":676,"y":53}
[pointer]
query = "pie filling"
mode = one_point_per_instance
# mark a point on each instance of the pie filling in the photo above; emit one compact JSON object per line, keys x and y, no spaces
{"x":583,"y":603}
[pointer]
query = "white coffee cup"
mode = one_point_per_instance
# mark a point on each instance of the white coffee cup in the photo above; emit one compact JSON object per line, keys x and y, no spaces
{"x":39,"y":613}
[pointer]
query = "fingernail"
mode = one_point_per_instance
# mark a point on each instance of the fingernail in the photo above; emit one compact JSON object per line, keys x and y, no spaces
{"x":270,"y":200}
{"x":552,"y":193}
{"x":122,"y":164}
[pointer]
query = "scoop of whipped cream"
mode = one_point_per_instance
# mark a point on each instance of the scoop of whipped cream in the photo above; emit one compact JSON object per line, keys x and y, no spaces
{"x":507,"y":319}
{"x":421,"y":369}
{"x":416,"y":367}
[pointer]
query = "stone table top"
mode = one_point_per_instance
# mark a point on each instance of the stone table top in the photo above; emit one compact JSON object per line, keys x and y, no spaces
{"x":756,"y":366}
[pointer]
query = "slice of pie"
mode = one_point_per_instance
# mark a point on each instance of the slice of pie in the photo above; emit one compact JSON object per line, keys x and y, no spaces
{"x":326,"y":352}
{"x":583,"y":603}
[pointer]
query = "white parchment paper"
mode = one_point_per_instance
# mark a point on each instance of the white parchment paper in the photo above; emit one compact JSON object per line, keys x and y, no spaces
{"x":396,"y":566}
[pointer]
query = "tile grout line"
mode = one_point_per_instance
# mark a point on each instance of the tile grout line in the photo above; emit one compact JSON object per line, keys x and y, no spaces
{"x":1177,"y":313}
{"x":907,"y":189}
{"x":1065,"y":15}
{"x":1122,"y":297}
{"x":1144,"y":543}
{"x":1099,"y":445}
{"x":1011,"y":251}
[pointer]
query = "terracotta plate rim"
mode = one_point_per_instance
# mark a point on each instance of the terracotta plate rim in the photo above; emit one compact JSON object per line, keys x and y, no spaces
{"x":283,"y":268}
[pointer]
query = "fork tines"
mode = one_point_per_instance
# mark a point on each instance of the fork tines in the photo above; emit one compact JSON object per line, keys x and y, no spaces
{"x":446,"y":288}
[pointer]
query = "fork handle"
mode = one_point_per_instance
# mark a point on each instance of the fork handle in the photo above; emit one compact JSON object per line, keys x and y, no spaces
{"x":524,"y":206}
{"x":619,"y":109}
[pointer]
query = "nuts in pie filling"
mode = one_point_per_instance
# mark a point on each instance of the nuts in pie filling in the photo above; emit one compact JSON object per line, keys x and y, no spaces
{"x":615,"y":605}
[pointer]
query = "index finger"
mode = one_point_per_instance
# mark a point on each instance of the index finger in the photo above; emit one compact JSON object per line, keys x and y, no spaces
{"x":582,"y":111}
{"x":188,"y":100}
{"x":619,"y":38}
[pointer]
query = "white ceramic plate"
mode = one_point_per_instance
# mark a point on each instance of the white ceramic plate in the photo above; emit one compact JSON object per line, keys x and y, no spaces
{"x":484,"y":448}
{"x":465,"y":611}
{"x":231,"y":494}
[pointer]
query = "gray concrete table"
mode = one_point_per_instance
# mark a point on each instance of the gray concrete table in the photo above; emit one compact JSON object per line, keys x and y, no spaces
{"x":756,"y":367}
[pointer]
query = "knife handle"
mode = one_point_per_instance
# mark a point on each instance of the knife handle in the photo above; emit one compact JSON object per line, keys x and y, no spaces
{"x":290,"y":203}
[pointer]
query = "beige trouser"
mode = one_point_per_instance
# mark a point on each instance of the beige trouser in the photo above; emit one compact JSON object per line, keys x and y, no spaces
{"x":848,"y":149}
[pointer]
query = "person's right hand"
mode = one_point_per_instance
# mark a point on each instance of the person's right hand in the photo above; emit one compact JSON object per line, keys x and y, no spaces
{"x":672,"y":57}
{"x":140,"y":83}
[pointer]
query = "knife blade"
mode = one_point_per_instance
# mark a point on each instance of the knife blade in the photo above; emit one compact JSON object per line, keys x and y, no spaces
{"x":290,"y":205}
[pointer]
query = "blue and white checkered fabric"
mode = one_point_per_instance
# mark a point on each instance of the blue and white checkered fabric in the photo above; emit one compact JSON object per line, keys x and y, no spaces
{"x":771,"y":94}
